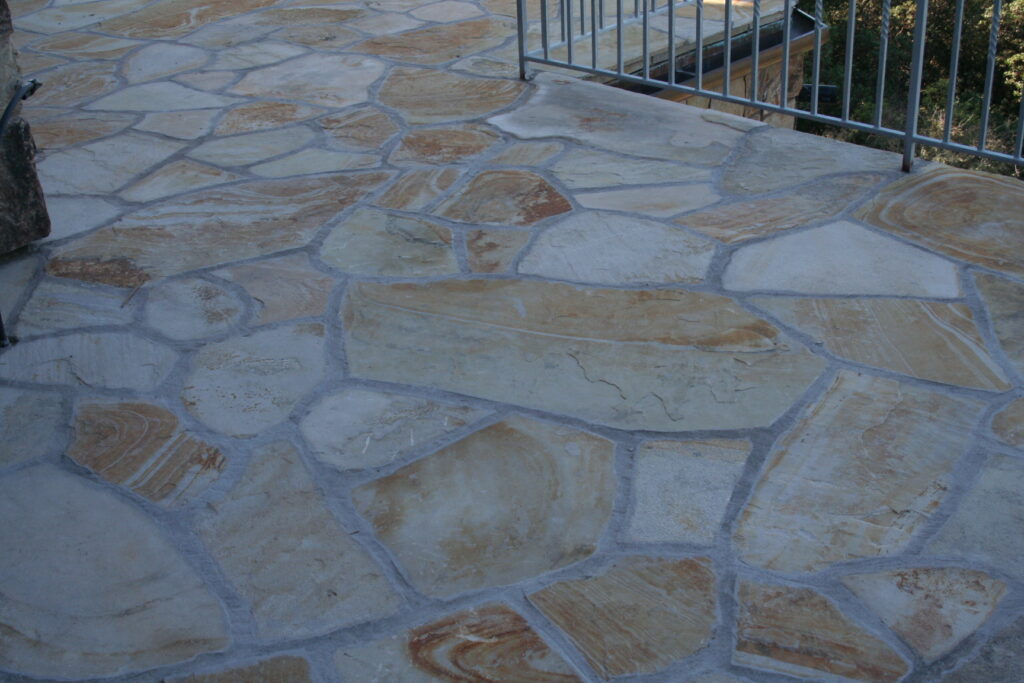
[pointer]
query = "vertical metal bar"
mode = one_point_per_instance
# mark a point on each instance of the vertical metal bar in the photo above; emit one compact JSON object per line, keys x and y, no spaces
{"x":755,"y":52}
{"x":593,"y":32}
{"x":883,"y":58}
{"x":521,"y":36}
{"x":601,"y":15}
{"x":568,"y":31}
{"x":618,"y":34}
{"x":954,"y":66}
{"x":728,"y":48}
{"x":544,"y":28}
{"x":786,"y":31}
{"x":700,"y":44}
{"x":851,"y":21}
{"x":671,"y":42}
{"x":1018,"y":151}
{"x":914,"y":97}
{"x":4,"y":339}
{"x":990,"y":69}
{"x":561,"y":18}
{"x":816,"y":66}
{"x":636,"y":8}
{"x":583,"y":17}
{"x":647,"y":47}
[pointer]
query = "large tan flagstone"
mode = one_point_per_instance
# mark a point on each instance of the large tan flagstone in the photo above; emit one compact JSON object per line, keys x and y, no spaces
{"x":416,"y":189}
{"x":681,"y":489}
{"x":210,"y":227}
{"x":969,"y":215}
{"x":244,"y":385}
{"x":174,"y":18}
{"x":509,"y":502}
{"x":487,"y":643}
{"x":143,"y":447}
{"x":659,"y":360}
{"x":300,"y":572}
{"x":1005,"y":302}
{"x":360,"y":428}
{"x":62,"y":305}
{"x":324,"y":79}
{"x":33,"y":424}
{"x":437,"y":44}
{"x":800,"y":632}
{"x":638,"y":616}
{"x":863,"y":470}
{"x":933,"y":609}
{"x":250,"y":148}
{"x":619,"y":121}
{"x":283,"y":288}
{"x":443,"y":145}
{"x":375,"y":242}
{"x":505,"y":198}
{"x":772,"y":159}
{"x":492,"y":251}
{"x":987,"y":522}
{"x":363,"y":127}
{"x":429,"y":96}
{"x":74,"y":127}
{"x":745,"y":219}
{"x":280,"y":669}
{"x":70,"y":17}
{"x":177,"y":177}
{"x":925,"y":339}
{"x":608,"y":248}
{"x":83,"y":45}
{"x":249,"y":118}
{"x":89,"y":586}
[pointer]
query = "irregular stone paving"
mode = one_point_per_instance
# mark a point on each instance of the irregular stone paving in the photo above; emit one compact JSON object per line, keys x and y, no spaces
{"x":354,"y":358}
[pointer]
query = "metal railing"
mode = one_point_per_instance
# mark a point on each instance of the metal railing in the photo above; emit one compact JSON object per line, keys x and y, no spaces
{"x":695,"y":48}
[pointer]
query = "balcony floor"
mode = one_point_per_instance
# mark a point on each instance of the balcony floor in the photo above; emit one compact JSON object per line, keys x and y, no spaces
{"x":354,"y":358}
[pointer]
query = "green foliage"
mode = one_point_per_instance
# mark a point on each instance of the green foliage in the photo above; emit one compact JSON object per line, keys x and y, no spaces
{"x":1007,"y":87}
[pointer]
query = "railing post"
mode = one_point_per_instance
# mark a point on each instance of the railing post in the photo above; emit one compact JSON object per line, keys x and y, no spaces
{"x":914,"y":94}
{"x":521,"y":36}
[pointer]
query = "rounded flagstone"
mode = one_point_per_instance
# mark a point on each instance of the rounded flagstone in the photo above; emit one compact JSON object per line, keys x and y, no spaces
{"x":328,"y":80}
{"x":648,"y":359}
{"x":638,"y":616}
{"x":800,"y":632}
{"x":487,"y":643}
{"x":681,"y":489}
{"x":277,"y":543}
{"x":192,"y":309}
{"x":142,"y":446}
{"x":607,"y":248}
{"x":437,"y":44}
{"x":841,"y":258}
{"x":374,"y":242}
{"x":505,"y":198}
{"x":283,"y":288}
{"x":891,"y":446}
{"x":429,"y":96}
{"x":109,"y":360}
{"x":358,"y":428}
{"x":244,"y":385}
{"x":514,"y":500}
{"x":969,"y":215}
{"x":931,"y":609}
{"x":112,"y":596}
{"x":32,"y":424}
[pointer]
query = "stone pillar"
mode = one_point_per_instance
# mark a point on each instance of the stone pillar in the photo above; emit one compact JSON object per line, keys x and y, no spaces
{"x":23,"y":216}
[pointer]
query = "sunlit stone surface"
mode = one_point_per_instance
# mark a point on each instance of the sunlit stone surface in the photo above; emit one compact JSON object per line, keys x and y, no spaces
{"x":428,"y":96}
{"x":505,"y":198}
{"x":373,"y":242}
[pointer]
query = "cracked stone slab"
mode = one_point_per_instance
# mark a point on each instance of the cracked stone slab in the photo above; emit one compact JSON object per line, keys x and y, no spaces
{"x":607,"y":118}
{"x":969,"y":215}
{"x":61,"y":305}
{"x":615,"y":357}
{"x":841,"y":258}
{"x":115,"y":595}
{"x":437,"y":44}
{"x":607,"y":248}
{"x":505,"y":198}
{"x":192,"y":309}
{"x":986,"y":524}
{"x":864,"y":468}
{"x":415,"y":190}
{"x":932,"y":609}
{"x":310,"y":161}
{"x":244,"y":385}
{"x":925,"y":339}
{"x":681,"y":489}
{"x":109,"y":360}
{"x":487,"y":643}
{"x":638,"y":616}
{"x":210,"y":227}
{"x":800,"y":632}
{"x":359,"y":127}
{"x":1005,"y":301}
{"x":428,"y":96}
{"x":375,"y":242}
{"x":493,"y":251}
{"x":588,"y":169}
{"x":33,"y":425}
{"x":328,"y":80}
{"x":300,"y":572}
{"x":283,"y":288}
{"x":548,"y":491}
{"x":263,"y":53}
{"x":144,"y":448}
{"x":359,"y":428}
{"x":104,"y":166}
{"x":177,"y":177}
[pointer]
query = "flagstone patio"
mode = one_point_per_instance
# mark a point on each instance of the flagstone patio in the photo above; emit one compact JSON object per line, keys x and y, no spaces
{"x":354,"y":358}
